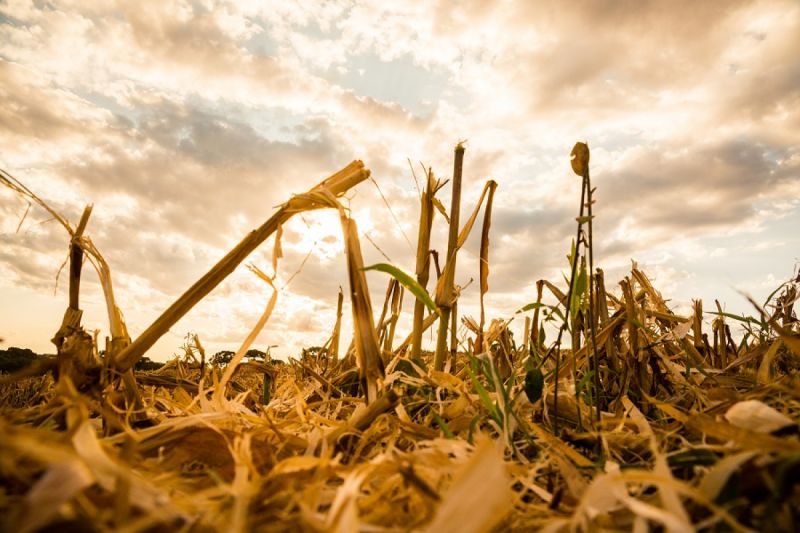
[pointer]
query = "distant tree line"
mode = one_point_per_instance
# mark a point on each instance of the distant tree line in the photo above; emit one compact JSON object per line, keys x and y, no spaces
{"x":145,"y":363}
{"x":226,"y":356}
{"x":14,"y":358}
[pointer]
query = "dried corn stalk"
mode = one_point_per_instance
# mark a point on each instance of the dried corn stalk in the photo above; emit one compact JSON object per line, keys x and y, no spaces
{"x":427,"y":201}
{"x":445,"y":289}
{"x":367,"y":347}
{"x":318,"y":197}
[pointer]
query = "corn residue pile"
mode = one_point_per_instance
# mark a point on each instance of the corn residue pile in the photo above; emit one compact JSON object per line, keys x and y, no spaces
{"x":648,"y":420}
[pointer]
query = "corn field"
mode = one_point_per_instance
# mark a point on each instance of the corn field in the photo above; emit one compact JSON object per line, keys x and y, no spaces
{"x":631,"y":417}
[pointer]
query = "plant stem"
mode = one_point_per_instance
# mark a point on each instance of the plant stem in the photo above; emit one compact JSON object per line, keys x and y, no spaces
{"x":423,"y":264}
{"x":76,"y":260}
{"x":446,"y":301}
{"x":567,"y":302}
{"x":337,"y":328}
{"x":337,"y":185}
{"x":441,"y":339}
{"x":592,"y":323}
{"x":453,"y":337}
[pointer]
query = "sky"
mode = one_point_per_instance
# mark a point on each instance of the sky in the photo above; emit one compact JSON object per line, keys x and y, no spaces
{"x":186,"y":122}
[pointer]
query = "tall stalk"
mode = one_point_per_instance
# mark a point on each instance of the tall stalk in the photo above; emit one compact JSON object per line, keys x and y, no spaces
{"x":365,"y":337}
{"x":587,"y":184}
{"x":423,"y":263}
{"x":556,"y":349}
{"x":483,"y":273}
{"x":445,"y":300}
{"x":453,"y":336}
{"x":337,"y":328}
{"x":580,"y":165}
{"x":76,"y":260}
{"x":396,"y":308}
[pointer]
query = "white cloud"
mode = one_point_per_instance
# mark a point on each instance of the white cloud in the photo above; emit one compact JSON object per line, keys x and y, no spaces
{"x":186,"y":122}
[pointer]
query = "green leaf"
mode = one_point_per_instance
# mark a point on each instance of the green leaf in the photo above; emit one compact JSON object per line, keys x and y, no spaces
{"x":484,"y":396}
{"x":583,"y":385}
{"x":694,"y":457}
{"x":534,"y":384}
{"x":485,"y":367}
{"x":472,"y":425}
{"x":530,"y":307}
{"x":557,"y":313}
{"x":773,"y":293}
{"x":509,"y":386}
{"x":407,"y":281}
{"x":583,"y":219}
{"x":746,"y":319}
{"x":448,"y":433}
{"x":581,"y":285}
{"x":571,"y":252}
{"x":637,"y":323}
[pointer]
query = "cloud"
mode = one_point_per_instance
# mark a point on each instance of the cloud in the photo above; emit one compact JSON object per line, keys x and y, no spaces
{"x":185,"y":123}
{"x":699,"y":187}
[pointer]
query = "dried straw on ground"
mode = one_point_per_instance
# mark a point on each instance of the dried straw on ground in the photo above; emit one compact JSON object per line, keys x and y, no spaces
{"x":695,"y":430}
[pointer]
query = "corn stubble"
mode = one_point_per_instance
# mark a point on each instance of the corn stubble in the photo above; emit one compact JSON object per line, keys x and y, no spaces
{"x":647,"y":421}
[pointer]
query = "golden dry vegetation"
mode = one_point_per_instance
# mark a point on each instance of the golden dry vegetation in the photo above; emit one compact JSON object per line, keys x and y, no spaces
{"x":649,"y":420}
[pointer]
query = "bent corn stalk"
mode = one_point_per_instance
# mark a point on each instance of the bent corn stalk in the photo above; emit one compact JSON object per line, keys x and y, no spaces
{"x":336,"y":185}
{"x":484,"y":259}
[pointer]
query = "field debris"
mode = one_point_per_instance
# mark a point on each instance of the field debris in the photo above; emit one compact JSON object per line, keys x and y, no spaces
{"x":648,"y":420}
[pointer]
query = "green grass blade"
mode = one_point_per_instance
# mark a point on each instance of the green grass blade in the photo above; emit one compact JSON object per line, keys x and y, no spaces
{"x":407,"y":281}
{"x":448,"y":433}
{"x":740,"y":318}
{"x":530,"y":307}
{"x":484,"y":396}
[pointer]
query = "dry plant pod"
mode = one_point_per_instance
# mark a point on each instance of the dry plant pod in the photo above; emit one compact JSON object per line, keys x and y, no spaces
{"x":534,"y":385}
{"x":579,"y":158}
{"x":757,"y":416}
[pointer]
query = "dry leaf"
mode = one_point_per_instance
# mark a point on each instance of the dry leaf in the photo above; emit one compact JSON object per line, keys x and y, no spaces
{"x":479,"y":497}
{"x":757,"y":416}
